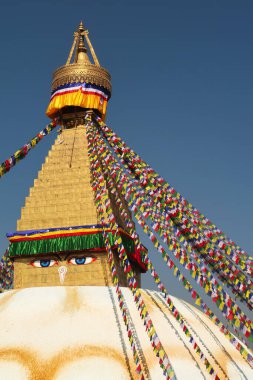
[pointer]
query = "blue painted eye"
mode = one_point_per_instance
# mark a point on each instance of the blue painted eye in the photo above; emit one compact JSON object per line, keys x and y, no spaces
{"x":81,"y":260}
{"x":44,"y":263}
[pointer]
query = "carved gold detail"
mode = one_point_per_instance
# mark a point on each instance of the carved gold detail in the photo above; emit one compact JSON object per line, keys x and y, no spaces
{"x":77,"y":72}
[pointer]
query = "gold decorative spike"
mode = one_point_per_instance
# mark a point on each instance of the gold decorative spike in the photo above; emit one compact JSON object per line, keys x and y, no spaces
{"x":79,"y":47}
{"x":76,"y":35}
{"x":81,"y":51}
{"x":81,"y":27}
{"x":86,"y":35}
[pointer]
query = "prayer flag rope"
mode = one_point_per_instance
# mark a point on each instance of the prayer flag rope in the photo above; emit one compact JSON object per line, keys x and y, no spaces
{"x":157,"y":215}
{"x":238,"y":285}
{"x":155,"y":341}
{"x":121,"y":299}
{"x":227,"y":271}
{"x":171,"y":233}
{"x":199,"y":301}
{"x":163,"y":228}
{"x":158,"y":187}
{"x":22,"y":152}
{"x":231,"y":313}
{"x":157,"y":226}
{"x":226,"y":276}
{"x":179,"y":318}
{"x":6,"y":273}
{"x":236,"y":276}
{"x":155,"y":276}
{"x":194,"y":271}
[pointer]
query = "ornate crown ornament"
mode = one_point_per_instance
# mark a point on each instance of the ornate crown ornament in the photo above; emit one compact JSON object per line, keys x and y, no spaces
{"x":89,"y":83}
{"x":80,"y":72}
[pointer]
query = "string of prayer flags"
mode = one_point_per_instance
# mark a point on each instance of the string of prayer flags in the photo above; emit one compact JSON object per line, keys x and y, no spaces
{"x":114,"y":173}
{"x":23,"y":151}
{"x":121,"y":299}
{"x":125,"y":263}
{"x":242,"y":324}
{"x":154,"y":274}
{"x":156,"y":185}
{"x":238,"y":279}
{"x":6,"y":272}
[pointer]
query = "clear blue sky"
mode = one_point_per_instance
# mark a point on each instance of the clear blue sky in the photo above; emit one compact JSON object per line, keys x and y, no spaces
{"x":182,"y":95}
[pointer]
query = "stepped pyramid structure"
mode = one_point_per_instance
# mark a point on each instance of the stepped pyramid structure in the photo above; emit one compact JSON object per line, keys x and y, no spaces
{"x":77,"y":310}
{"x":62,"y":194}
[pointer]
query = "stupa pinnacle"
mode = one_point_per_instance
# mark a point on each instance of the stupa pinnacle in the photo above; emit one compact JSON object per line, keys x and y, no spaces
{"x":80,"y":83}
{"x":59,"y":222}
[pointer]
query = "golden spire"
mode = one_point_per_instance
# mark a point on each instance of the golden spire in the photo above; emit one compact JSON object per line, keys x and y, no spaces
{"x":81,"y":55}
{"x":80,"y":69}
{"x":80,"y":48}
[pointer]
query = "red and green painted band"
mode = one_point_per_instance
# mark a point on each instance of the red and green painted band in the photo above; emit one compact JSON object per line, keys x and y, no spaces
{"x":72,"y":243}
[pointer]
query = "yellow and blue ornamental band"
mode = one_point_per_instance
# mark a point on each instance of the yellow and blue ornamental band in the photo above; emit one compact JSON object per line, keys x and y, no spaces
{"x":85,"y":95}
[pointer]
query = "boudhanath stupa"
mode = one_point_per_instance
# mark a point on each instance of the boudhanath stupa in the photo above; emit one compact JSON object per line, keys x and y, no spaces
{"x":71,"y":302}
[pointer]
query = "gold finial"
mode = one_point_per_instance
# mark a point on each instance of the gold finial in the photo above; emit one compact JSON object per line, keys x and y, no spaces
{"x":79,"y":47}
{"x":81,"y":27}
{"x":80,"y":69}
{"x":81,"y":51}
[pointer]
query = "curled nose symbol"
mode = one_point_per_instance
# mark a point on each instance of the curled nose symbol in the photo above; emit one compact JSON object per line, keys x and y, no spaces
{"x":62,"y":273}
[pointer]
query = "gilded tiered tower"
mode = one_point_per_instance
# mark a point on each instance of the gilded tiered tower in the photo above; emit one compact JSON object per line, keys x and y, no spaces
{"x":59,"y":238}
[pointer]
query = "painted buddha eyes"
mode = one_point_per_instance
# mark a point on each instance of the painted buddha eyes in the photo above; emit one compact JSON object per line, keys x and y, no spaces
{"x":81,"y":260}
{"x":46,"y":263}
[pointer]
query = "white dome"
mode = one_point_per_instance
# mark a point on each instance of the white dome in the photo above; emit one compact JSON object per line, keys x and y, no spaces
{"x":67,"y":333}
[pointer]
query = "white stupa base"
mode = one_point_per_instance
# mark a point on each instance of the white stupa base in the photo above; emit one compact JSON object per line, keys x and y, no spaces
{"x":76,"y":333}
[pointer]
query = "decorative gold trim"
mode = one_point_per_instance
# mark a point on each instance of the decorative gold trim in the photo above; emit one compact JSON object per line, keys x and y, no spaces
{"x":76,"y":72}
